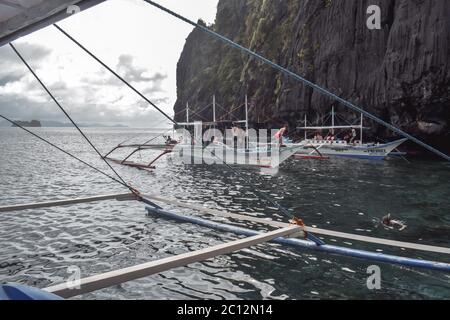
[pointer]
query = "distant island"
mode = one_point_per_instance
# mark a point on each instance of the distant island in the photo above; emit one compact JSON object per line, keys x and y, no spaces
{"x":32,"y":123}
{"x":58,"y":124}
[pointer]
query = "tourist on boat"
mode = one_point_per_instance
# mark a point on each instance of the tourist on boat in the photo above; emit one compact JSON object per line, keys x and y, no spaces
{"x":279,"y":135}
{"x":169,"y":140}
{"x":352,"y":140}
{"x":242,"y":137}
{"x":318,"y":137}
{"x":347,"y":137}
{"x":235,"y":132}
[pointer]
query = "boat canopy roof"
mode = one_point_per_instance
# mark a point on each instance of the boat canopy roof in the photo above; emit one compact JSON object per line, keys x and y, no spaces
{"x":212,"y":123}
{"x":332,"y":127}
{"x":19,"y":18}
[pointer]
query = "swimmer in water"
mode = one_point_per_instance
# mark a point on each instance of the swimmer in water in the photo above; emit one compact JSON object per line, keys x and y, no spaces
{"x":387,"y":221}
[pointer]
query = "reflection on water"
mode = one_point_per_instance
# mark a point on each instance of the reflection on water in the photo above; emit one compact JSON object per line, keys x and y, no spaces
{"x":37,"y":246}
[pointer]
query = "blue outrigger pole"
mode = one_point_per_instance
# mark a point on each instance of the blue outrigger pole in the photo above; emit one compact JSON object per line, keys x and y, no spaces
{"x":305,"y":244}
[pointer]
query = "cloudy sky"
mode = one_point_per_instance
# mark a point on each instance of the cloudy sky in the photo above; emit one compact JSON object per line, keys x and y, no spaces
{"x":140,"y":42}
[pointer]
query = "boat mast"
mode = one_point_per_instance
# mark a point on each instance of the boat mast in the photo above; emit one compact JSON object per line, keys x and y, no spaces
{"x":332,"y":120}
{"x":361,"y":131}
{"x":306,"y":124}
{"x":187,"y":112}
{"x":214,"y":109}
{"x":246,"y":121}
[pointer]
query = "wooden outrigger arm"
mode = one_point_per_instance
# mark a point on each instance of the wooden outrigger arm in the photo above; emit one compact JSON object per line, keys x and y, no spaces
{"x":119,"y":197}
{"x":310,"y":155}
{"x":116,"y":277}
{"x":166,"y":148}
{"x":114,"y":149}
{"x":284,"y":234}
{"x":132,"y":153}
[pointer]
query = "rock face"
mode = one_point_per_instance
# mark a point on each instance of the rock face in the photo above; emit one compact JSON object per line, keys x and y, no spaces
{"x":400,"y":73}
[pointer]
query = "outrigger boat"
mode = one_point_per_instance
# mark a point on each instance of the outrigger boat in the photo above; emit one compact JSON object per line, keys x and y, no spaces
{"x":220,"y":154}
{"x":367,"y":151}
{"x":333,"y":147}
{"x":216,"y":153}
{"x":194,"y":152}
{"x":294,"y":234}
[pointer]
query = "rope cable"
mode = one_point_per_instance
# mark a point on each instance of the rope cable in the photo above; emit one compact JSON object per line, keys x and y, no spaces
{"x":115,"y":73}
{"x":62,"y":150}
{"x":67,"y":115}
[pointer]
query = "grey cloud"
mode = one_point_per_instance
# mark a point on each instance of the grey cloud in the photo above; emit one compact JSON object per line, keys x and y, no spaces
{"x":135,"y":73}
{"x":20,"y":107}
{"x":148,"y":85}
{"x":31,"y":52}
{"x":10,"y":76}
{"x":59,"y":86}
{"x":86,"y":109}
{"x":157,"y":101}
{"x":157,"y":77}
{"x":12,"y":69}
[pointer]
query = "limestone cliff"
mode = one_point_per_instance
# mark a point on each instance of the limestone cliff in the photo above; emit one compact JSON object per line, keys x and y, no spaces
{"x":400,"y":73}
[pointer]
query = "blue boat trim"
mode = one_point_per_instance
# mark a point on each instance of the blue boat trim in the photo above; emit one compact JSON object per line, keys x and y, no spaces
{"x":298,"y":243}
{"x":374,"y":158}
{"x":19,"y":292}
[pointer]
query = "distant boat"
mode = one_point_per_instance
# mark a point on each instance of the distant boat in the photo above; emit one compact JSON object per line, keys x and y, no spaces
{"x":188,"y":151}
{"x":349,"y":148}
{"x":368,"y":151}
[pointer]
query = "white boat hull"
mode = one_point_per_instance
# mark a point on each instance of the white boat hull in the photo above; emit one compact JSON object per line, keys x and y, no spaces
{"x":220,"y":155}
{"x":343,"y":149}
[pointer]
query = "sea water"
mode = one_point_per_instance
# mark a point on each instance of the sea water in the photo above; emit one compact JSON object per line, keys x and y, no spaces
{"x":44,"y":246}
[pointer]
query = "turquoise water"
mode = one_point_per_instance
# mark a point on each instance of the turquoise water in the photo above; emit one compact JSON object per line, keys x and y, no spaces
{"x":37,"y":246}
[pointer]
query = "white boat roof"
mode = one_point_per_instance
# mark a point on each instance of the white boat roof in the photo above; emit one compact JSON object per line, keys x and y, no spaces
{"x":331,"y":127}
{"x":21,"y":17}
{"x":188,"y":124}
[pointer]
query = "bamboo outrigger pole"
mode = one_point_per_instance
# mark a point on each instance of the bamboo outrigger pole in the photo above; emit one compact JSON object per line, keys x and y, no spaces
{"x":112,"y":278}
{"x":277,"y":224}
{"x":307,"y":244}
{"x":285,"y":234}
{"x":59,"y":203}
